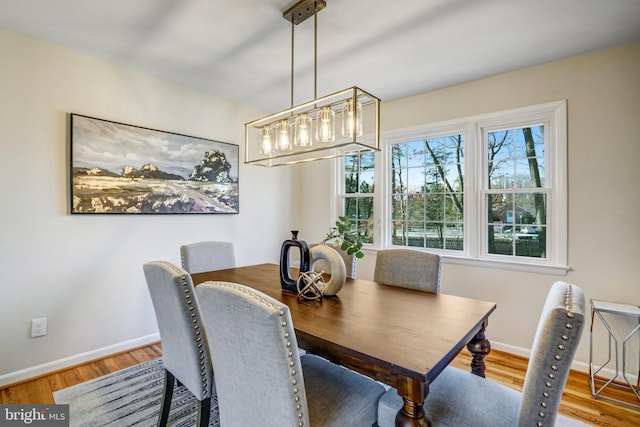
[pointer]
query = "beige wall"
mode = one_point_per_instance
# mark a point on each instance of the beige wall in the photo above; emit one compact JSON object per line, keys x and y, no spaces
{"x":85,"y":272}
{"x":603,"y":102}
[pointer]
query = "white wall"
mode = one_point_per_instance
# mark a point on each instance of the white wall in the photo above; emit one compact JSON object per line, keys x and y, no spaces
{"x":84,"y":273}
{"x":603,"y":94}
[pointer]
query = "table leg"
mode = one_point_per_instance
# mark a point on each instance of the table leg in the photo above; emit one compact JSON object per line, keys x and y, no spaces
{"x":413,"y":392}
{"x":479,"y":347}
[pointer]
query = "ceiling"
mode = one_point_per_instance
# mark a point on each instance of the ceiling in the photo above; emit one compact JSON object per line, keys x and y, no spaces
{"x":241,"y":49}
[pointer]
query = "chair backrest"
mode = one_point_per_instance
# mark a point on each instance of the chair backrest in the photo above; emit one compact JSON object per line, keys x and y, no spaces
{"x":554,"y":346}
{"x":409,"y":268}
{"x":185,"y":350}
{"x":207,"y":256}
{"x":255,"y":355}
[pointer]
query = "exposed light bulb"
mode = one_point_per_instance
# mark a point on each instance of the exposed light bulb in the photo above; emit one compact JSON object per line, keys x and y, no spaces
{"x":283,"y":141}
{"x":265,"y":141}
{"x":325,"y":125}
{"x":352,"y":119}
{"x":303,"y":131}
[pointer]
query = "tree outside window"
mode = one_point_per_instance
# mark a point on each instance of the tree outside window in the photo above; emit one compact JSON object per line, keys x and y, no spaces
{"x":359,"y":187}
{"x":427,"y":186}
{"x":516,"y":197}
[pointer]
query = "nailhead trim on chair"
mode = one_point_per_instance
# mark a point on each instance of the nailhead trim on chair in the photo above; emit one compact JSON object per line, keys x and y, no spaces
{"x":196,"y":327}
{"x":568,"y":306}
{"x":292,"y":363}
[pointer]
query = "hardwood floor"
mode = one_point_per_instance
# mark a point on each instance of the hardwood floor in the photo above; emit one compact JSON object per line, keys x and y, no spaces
{"x":502,"y":367}
{"x":40,"y":390}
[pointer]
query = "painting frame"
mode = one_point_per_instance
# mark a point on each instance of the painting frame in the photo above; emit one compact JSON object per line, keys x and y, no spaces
{"x":119,"y":168}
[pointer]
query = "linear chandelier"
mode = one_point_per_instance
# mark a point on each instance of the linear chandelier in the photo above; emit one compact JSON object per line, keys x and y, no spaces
{"x":332,"y":126}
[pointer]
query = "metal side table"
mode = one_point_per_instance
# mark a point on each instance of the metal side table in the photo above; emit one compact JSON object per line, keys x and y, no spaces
{"x":607,"y":312}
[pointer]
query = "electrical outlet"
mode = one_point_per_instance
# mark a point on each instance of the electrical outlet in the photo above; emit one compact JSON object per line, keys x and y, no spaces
{"x":38,"y":327}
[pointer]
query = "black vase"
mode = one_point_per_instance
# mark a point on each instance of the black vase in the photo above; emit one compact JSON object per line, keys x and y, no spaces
{"x":288,"y":283}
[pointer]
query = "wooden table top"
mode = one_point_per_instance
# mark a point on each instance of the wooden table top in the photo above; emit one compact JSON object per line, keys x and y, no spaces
{"x":385,"y":332}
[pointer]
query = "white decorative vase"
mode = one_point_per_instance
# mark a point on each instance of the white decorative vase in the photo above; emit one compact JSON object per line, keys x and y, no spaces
{"x":336,"y":264}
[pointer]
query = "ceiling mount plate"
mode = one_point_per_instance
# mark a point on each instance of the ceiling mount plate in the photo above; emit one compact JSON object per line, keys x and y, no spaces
{"x":302,"y":10}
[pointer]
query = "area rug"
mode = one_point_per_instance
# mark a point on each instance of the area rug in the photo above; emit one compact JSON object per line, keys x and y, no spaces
{"x":130,"y":397}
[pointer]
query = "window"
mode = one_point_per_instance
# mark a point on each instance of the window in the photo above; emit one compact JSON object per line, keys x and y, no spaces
{"x":522,"y":195}
{"x":427,"y":189}
{"x":515,"y":193}
{"x":489,"y":189}
{"x":357,"y":193}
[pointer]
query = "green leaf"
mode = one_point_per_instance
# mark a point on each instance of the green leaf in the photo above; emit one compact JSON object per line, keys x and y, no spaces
{"x":347,"y":239}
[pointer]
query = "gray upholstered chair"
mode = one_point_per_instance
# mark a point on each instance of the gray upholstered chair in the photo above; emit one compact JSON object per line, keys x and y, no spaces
{"x":458,"y":398}
{"x":207,"y":256}
{"x":409,"y":268}
{"x":260,"y":378}
{"x":185,"y":350}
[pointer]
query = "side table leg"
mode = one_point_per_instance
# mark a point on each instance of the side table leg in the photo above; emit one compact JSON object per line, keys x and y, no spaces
{"x":479,"y":347}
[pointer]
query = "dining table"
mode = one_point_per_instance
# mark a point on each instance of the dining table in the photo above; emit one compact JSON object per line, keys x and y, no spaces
{"x":398,"y":336}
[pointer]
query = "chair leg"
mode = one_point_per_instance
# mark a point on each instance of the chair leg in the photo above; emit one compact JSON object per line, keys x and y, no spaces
{"x":167,"y":394}
{"x":204,"y":410}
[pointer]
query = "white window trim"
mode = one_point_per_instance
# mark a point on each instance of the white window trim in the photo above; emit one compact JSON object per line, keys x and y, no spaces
{"x":474,"y":235}
{"x":389,"y":138}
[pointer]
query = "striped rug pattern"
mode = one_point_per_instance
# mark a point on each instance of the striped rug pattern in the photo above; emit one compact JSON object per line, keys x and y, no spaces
{"x":130,"y":397}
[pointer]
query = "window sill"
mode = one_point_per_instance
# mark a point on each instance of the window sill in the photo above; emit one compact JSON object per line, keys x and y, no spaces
{"x":554,"y":270}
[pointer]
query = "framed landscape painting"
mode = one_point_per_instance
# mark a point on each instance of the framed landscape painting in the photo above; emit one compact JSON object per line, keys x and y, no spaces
{"x":123,"y":169}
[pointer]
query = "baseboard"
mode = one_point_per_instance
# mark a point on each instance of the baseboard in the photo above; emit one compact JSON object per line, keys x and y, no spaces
{"x":507,"y":348}
{"x":526,"y":352}
{"x":77,"y":359}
